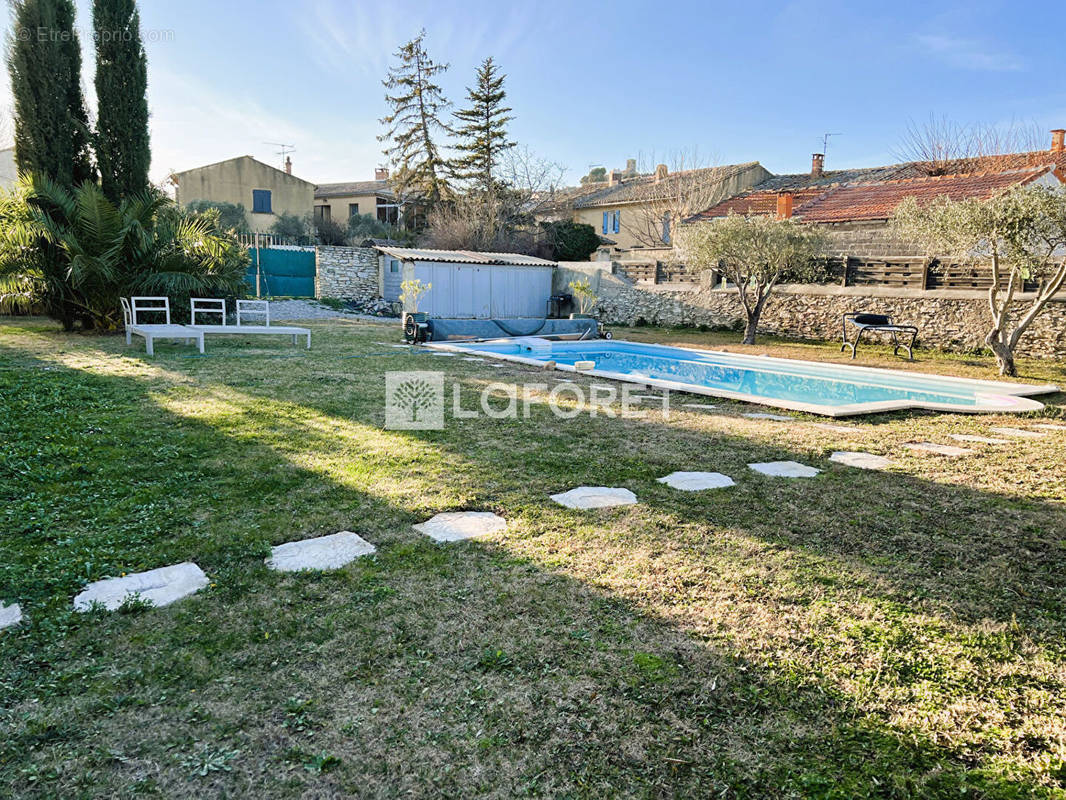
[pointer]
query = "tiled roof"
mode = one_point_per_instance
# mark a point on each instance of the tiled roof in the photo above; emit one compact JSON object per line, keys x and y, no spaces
{"x":757,"y":202}
{"x":324,"y":190}
{"x":874,"y":201}
{"x":645,"y":187}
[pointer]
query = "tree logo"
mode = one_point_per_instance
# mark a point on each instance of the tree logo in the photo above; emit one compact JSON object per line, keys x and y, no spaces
{"x":414,"y":401}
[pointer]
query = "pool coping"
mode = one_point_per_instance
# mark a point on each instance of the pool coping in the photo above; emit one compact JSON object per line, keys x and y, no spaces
{"x":1013,"y":398}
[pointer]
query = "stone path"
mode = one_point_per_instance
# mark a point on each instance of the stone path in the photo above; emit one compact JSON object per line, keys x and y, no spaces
{"x":10,"y":615}
{"x":697,"y":481}
{"x":451,"y":526}
{"x":860,"y":460}
{"x":160,"y":587}
{"x":939,"y":449}
{"x":784,"y":469}
{"x":1050,"y":427}
{"x":825,"y":426}
{"x":762,"y":415}
{"x":320,"y":553}
{"x":969,"y":437}
{"x":703,"y":406}
{"x":1019,"y":433}
{"x":595,"y":497}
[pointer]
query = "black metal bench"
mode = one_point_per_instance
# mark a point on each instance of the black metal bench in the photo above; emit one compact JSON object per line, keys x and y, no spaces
{"x":878,"y":322}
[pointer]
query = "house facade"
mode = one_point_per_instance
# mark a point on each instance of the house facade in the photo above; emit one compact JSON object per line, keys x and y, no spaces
{"x":265,"y":192}
{"x":342,"y":201}
{"x":638,"y":212}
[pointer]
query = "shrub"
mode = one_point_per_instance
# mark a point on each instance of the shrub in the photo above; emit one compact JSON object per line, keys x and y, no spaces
{"x":231,"y":216}
{"x":291,"y":225}
{"x":571,"y":241}
{"x":329,"y":232}
{"x":75,"y":252}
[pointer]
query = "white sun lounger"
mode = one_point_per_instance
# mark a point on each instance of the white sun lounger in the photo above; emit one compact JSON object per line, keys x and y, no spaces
{"x":215,"y":308}
{"x":135,"y":308}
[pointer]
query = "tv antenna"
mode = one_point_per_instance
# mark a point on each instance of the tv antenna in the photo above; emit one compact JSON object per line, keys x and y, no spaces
{"x":825,"y":142}
{"x":284,"y":151}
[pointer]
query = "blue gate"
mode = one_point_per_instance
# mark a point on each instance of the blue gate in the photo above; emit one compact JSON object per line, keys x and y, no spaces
{"x":285,"y":271}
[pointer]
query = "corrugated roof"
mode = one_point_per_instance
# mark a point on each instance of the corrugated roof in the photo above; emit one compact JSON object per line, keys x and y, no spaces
{"x":465,"y":257}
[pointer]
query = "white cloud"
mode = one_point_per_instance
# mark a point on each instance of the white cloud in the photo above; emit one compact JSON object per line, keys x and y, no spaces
{"x":970,"y":54}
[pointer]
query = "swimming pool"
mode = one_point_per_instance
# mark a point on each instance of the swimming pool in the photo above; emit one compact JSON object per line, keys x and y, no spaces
{"x":819,"y":388}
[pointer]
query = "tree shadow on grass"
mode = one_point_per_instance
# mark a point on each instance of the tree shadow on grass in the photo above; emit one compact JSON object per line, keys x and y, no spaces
{"x":474,"y":669}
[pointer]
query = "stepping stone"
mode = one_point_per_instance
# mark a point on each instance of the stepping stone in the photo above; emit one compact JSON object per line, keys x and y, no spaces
{"x":323,"y":552}
{"x":969,"y":437}
{"x":658,"y":398}
{"x":443,"y":355}
{"x":595,"y":497}
{"x":785,"y":469}
{"x":1019,"y":433}
{"x":472,"y":358}
{"x":566,"y":380}
{"x":939,"y":449}
{"x":1049,"y":427}
{"x":825,"y":426}
{"x":10,"y":615}
{"x":860,"y":460}
{"x":697,"y":481}
{"x":698,"y":405}
{"x":778,"y":417}
{"x":451,"y":526}
{"x":160,"y":587}
{"x":404,"y":346}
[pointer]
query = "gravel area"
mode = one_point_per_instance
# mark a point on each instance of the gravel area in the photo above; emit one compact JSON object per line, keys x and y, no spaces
{"x":309,"y":309}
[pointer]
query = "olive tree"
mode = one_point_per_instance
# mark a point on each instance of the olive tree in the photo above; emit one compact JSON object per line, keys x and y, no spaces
{"x":1021,"y":233}
{"x":754,"y":253}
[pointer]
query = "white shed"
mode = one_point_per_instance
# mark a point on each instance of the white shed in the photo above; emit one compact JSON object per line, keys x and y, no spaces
{"x":471,"y":285}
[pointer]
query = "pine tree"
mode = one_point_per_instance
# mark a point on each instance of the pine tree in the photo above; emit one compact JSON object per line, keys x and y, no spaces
{"x":417,"y":105}
{"x":122,"y":147}
{"x":483,"y":135}
{"x":51,"y":123}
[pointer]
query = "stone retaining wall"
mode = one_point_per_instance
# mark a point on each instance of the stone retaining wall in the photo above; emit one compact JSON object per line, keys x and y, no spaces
{"x":349,"y":273}
{"x":947,"y":320}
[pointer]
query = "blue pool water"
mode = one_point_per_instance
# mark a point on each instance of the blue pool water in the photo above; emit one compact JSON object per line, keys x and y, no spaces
{"x":802,"y":385}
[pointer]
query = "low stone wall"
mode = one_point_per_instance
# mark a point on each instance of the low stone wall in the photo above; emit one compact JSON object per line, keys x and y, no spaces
{"x":947,"y":320}
{"x":350,"y":273}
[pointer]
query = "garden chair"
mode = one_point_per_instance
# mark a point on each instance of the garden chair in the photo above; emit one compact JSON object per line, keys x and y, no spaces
{"x":248,"y":311}
{"x":135,"y":308}
{"x":878,"y":322}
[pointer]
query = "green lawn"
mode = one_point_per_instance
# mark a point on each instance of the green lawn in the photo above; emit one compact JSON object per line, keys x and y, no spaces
{"x":884,"y":634}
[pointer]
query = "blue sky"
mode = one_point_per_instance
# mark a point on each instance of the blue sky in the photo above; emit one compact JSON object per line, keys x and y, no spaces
{"x":597,"y":82}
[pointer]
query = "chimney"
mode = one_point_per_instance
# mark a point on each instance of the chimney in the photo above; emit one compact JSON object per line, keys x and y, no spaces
{"x":661,"y":172}
{"x":784,"y":205}
{"x":614,"y":177}
{"x":381,"y":173}
{"x":1058,"y":140}
{"x":631,"y":167}
{"x":817,"y":164}
{"x":288,"y":165}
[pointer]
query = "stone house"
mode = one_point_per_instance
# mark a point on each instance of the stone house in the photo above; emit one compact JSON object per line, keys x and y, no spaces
{"x":633,"y":212}
{"x":265,"y":191}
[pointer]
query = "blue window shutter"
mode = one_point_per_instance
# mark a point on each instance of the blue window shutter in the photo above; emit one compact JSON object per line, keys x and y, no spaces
{"x":261,"y":201}
{"x":617,"y":220}
{"x":605,"y":222}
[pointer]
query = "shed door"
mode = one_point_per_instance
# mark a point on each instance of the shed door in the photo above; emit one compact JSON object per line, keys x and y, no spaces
{"x":393,"y":278}
{"x":520,"y":291}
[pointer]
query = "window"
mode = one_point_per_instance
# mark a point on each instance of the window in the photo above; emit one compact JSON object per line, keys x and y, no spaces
{"x":606,"y":220}
{"x":261,"y":201}
{"x":616,"y":219}
{"x":394,"y":265}
{"x":388,"y":213}
{"x":322,"y":213}
{"x":666,"y":227}
{"x":353,"y":210}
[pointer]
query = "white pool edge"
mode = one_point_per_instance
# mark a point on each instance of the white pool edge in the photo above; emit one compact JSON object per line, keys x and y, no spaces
{"x":1016,"y":393}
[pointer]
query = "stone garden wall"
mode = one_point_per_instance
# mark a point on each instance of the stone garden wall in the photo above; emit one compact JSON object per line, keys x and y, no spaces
{"x":947,"y":320}
{"x":352,"y":274}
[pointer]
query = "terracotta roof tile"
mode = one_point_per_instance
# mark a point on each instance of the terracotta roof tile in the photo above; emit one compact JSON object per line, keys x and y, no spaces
{"x":874,"y":201}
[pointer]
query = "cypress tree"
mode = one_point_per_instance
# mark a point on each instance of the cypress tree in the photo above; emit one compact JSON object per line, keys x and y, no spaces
{"x":417,"y":106}
{"x":51,"y":123}
{"x":483,"y":134}
{"x":122,"y":147}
